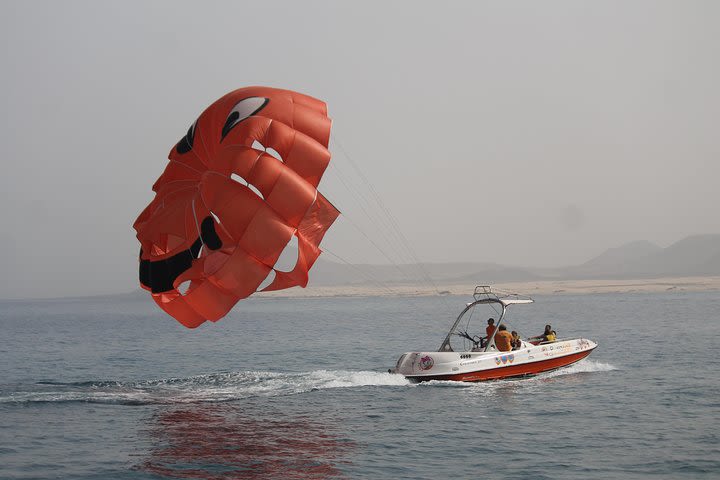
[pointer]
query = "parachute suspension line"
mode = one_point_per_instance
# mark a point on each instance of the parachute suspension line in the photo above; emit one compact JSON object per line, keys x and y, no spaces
{"x":395,"y":228}
{"x":393,"y":222}
{"x":361,"y":202}
{"x":393,"y":241}
{"x":349,"y":219}
{"x":374,"y":244}
{"x":364,"y":274}
{"x":381,"y":229}
{"x":381,"y":223}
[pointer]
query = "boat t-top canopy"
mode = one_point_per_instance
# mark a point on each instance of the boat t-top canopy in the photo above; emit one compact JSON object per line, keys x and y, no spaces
{"x":485,"y":294}
{"x":515,"y":301}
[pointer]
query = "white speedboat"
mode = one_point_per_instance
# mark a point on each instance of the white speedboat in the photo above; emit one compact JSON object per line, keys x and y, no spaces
{"x":471,"y":358}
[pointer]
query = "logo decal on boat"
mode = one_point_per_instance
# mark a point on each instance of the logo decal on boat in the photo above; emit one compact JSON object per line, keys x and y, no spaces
{"x":426,"y":362}
{"x":504,"y":359}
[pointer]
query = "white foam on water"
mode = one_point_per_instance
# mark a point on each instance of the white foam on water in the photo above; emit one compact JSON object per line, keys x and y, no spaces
{"x":130,"y":397}
{"x":220,"y":387}
{"x":230,"y":386}
{"x":583,"y":366}
{"x":344,"y":379}
{"x":447,"y":384}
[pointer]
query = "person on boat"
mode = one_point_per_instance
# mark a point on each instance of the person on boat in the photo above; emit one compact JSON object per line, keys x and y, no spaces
{"x":503,"y":339}
{"x":516,"y":343}
{"x":549,"y":335}
{"x":489,"y":330}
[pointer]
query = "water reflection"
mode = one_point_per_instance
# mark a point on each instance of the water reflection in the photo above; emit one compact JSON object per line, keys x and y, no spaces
{"x":226,"y":441}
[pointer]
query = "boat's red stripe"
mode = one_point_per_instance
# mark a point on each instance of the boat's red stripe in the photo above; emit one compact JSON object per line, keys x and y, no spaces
{"x":531,"y":368}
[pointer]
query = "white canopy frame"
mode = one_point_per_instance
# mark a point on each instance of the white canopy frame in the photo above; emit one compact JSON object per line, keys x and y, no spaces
{"x":485,"y":295}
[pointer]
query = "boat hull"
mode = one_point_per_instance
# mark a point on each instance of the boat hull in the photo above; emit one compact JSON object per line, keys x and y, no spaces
{"x":513,"y":371}
{"x":482,"y":366}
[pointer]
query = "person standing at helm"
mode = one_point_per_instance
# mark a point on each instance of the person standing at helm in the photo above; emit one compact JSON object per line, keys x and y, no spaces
{"x":503,"y":339}
{"x":490,"y":329}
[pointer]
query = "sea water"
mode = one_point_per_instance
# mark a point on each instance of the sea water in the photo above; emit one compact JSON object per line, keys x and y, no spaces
{"x":111,"y":388}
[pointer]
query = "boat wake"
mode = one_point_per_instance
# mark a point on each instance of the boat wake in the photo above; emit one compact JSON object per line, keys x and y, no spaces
{"x":584,"y":366}
{"x":231,"y":386}
{"x":219,"y":387}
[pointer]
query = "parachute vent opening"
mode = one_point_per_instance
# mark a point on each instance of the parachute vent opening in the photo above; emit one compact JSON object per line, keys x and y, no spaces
{"x":268,"y":280}
{"x":269,"y":150}
{"x":274,"y":153}
{"x":184,"y":287}
{"x":255,"y":190}
{"x":237,"y":178}
{"x":288,"y":258}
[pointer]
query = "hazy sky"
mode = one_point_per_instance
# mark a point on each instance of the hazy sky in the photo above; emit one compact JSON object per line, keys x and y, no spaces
{"x":526,"y":133}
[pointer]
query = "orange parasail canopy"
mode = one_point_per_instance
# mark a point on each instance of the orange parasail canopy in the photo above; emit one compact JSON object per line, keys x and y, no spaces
{"x":239,"y":186}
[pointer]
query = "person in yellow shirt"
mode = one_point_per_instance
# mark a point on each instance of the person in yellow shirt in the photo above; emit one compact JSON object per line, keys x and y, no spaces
{"x":503,"y":339}
{"x":549,"y":335}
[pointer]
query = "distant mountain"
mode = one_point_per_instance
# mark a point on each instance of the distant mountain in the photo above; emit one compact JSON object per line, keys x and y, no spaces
{"x":697,"y":255}
{"x":326,"y":273}
{"x":694,"y":255}
{"x":612,"y":262}
{"x":613,"y":257}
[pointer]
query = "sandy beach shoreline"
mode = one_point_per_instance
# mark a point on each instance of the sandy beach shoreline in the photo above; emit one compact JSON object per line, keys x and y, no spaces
{"x":542,"y":287}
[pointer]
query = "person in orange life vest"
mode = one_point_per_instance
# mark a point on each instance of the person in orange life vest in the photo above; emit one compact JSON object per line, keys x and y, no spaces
{"x":503,"y":339}
{"x":488,"y":332}
{"x":490,"y":328}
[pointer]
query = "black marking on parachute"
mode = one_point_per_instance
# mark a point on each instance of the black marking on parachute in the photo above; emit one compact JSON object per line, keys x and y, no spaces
{"x":186,"y":143}
{"x":234,"y":119}
{"x":144,"y":271}
{"x":195,"y":248}
{"x":230,"y":123}
{"x":160,"y":275}
{"x":209,"y":235}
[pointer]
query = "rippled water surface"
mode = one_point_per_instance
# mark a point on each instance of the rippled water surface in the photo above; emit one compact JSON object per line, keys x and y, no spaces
{"x":296,"y":388}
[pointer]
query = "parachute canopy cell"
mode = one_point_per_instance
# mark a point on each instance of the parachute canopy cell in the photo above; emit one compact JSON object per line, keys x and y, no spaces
{"x":240,"y":187}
